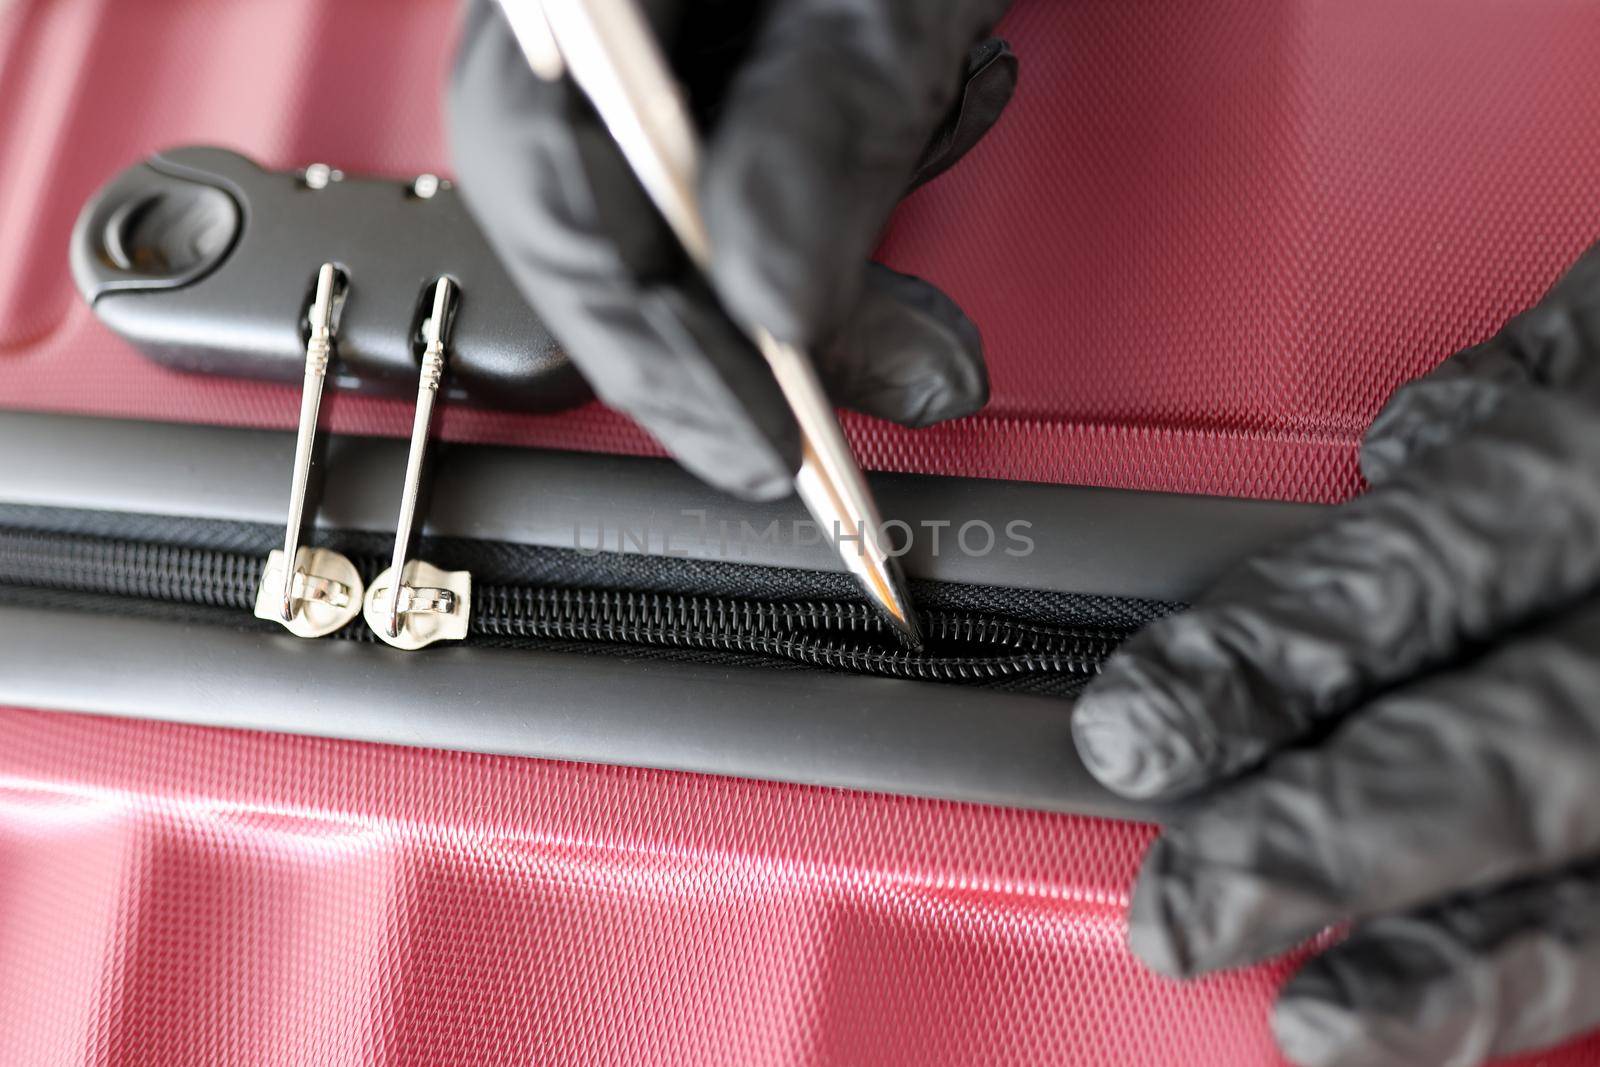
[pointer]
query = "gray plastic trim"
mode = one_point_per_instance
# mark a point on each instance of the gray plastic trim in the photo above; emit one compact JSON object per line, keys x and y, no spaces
{"x":803,"y":726}
{"x":1159,"y":546}
{"x":798,"y":726}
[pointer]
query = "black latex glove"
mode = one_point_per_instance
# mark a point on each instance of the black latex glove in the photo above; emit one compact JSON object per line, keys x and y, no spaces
{"x":818,"y":116}
{"x":1400,"y":717}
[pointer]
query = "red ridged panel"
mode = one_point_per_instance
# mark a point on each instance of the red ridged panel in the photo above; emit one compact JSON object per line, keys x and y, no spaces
{"x":176,"y":895}
{"x":1204,"y":244}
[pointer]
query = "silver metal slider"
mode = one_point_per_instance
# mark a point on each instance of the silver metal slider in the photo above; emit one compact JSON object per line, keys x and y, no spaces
{"x":311,"y":591}
{"x":413,"y":603}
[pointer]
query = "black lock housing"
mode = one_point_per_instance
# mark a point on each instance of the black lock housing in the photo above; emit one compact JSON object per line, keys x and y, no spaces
{"x":206,"y":262}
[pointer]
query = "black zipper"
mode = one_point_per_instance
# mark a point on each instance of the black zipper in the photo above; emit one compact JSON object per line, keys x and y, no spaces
{"x":961,"y":645}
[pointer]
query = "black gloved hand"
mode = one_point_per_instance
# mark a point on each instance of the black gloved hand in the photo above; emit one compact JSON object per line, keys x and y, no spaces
{"x":1401,"y":716}
{"x":819,"y":115}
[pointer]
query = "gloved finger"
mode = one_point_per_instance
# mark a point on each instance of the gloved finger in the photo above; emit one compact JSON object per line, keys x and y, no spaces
{"x":1466,"y":542}
{"x":588,"y":250}
{"x":1554,"y":345}
{"x":906,"y":353}
{"x":1464,"y":982}
{"x":990,"y":83}
{"x":1464,"y":780}
{"x":821,"y":134}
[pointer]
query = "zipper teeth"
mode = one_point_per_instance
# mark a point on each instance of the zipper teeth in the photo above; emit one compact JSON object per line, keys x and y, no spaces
{"x":728,"y":624}
{"x":138,"y":569}
{"x":964,"y":647}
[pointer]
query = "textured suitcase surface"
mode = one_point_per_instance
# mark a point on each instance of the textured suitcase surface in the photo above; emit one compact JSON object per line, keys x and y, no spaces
{"x":1206,"y":242}
{"x":1203,"y":244}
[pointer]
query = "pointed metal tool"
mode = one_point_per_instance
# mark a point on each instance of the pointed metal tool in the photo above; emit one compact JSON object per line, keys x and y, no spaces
{"x":609,"y":49}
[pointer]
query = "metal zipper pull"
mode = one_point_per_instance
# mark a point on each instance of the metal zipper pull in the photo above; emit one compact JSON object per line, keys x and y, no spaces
{"x":413,"y":603}
{"x":321,"y":590}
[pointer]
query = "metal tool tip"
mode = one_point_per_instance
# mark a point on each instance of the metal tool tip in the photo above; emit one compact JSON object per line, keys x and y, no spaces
{"x":887,"y":586}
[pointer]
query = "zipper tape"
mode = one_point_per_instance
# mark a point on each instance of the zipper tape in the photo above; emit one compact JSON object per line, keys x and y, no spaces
{"x":966,"y":643}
